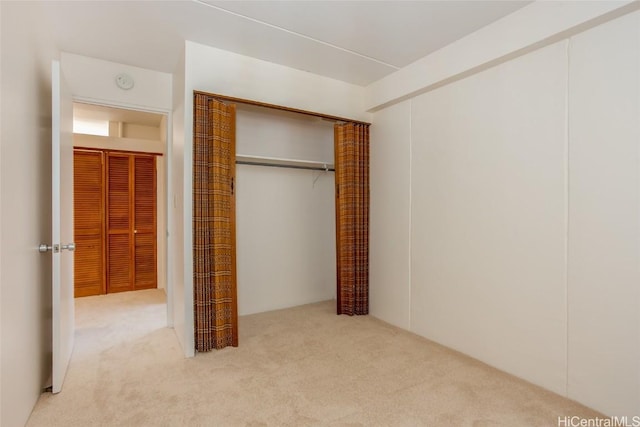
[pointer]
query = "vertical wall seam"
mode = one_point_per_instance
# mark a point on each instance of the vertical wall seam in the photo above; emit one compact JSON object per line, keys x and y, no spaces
{"x":410,"y":211}
{"x":566,"y":213}
{"x":638,"y":176}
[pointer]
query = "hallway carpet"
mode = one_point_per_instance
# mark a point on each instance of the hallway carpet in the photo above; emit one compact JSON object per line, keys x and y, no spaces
{"x":298,"y":366}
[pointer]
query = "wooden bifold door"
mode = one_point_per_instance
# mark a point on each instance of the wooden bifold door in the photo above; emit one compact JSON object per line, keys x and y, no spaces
{"x":88,"y":218}
{"x":116,"y":222}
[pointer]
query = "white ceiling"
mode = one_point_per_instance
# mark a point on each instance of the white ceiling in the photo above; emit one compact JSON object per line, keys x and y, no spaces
{"x":354,"y":41}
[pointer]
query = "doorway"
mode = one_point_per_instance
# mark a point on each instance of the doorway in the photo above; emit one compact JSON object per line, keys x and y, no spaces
{"x":121,"y":201}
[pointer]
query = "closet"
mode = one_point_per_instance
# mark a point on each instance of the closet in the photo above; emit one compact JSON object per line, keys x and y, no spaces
{"x":273,"y":220}
{"x":285,"y":212}
{"x":115,"y":198}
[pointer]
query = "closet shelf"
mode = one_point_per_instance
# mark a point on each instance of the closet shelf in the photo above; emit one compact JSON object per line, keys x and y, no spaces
{"x":242,"y":159}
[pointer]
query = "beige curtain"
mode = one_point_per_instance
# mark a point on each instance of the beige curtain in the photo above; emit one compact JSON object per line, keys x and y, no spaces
{"x":352,"y":217}
{"x":214,"y":257}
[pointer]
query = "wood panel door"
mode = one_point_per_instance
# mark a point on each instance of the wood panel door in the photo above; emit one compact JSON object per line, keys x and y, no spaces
{"x":144,"y":222}
{"x":119,"y":223}
{"x":89,"y":203}
{"x":131,"y":222}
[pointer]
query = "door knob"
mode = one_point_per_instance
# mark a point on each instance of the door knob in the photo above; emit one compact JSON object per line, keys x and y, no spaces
{"x":45,"y":248}
{"x":70,"y":247}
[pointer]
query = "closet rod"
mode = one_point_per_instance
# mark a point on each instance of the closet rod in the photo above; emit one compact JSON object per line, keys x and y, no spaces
{"x":244,"y":159}
{"x":274,"y":165}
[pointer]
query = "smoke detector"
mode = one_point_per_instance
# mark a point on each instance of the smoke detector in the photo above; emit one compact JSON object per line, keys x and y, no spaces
{"x":124,"y":81}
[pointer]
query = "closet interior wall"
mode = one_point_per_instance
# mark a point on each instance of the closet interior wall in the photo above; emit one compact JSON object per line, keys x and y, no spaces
{"x":285,"y":217}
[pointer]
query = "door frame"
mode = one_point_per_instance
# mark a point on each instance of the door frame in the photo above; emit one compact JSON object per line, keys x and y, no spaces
{"x":62,"y":267}
{"x":168,"y":175}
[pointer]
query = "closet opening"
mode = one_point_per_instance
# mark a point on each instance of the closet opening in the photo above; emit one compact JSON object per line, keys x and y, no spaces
{"x":297,"y":236}
{"x":285,"y":209}
{"x":120,"y":215}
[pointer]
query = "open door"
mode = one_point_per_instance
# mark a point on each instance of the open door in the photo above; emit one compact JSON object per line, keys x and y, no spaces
{"x":62,"y":235}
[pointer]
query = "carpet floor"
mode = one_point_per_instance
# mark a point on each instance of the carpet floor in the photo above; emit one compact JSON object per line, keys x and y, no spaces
{"x":298,"y":366}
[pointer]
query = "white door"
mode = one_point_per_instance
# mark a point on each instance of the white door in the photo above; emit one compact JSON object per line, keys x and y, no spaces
{"x":62,"y":235}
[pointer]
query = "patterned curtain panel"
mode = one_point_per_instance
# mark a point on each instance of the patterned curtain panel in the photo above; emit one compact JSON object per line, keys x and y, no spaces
{"x":352,"y":217}
{"x":214,"y":246}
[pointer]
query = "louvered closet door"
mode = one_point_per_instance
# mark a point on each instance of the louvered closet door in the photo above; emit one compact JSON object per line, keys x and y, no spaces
{"x":145,"y":222}
{"x":119,"y":223}
{"x":88,"y":176}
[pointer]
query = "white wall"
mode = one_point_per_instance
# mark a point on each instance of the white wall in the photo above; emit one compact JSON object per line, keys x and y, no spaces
{"x":1,"y":135}
{"x":285,"y":237}
{"x":604,"y":217}
{"x":179,"y":197}
{"x":146,"y":146}
{"x":25,"y":210}
{"x":218,"y":71}
{"x":272,"y":133}
{"x":390,"y":215}
{"x":116,"y":143}
{"x":525,"y":215}
{"x":132,"y":130}
{"x":93,"y":80}
{"x":488,"y":210}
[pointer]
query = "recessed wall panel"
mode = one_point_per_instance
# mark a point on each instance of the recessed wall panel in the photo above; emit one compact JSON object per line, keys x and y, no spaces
{"x":488,"y":216}
{"x":604,"y":227}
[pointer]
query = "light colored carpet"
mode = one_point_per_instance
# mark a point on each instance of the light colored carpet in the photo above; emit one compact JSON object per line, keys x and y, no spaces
{"x":299,"y":366}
